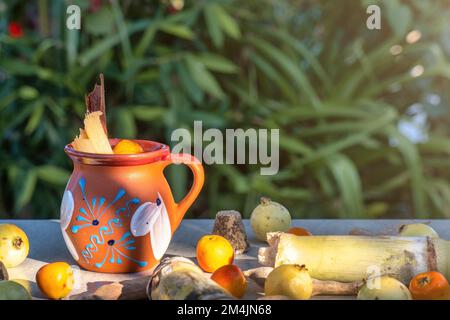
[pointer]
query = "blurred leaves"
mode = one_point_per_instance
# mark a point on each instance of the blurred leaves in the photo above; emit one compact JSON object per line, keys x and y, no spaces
{"x":53,"y":175}
{"x":100,"y":22}
{"x":399,"y":16}
{"x":335,"y":89}
{"x":202,"y":77}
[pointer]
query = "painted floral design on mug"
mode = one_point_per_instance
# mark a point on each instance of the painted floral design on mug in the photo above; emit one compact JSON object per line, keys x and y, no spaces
{"x":91,"y":216}
{"x":152,"y":218}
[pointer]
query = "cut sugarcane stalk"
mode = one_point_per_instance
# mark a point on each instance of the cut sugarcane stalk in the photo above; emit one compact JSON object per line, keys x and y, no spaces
{"x":94,"y":137}
{"x":96,"y":133}
{"x":353,"y":258}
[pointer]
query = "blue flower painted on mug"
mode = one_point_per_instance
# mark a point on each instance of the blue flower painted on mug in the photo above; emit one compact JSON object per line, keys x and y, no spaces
{"x":115,"y":251}
{"x":94,"y":210}
{"x":90,"y":217}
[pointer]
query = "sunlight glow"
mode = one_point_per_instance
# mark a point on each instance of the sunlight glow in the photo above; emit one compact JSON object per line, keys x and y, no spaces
{"x":413,"y":36}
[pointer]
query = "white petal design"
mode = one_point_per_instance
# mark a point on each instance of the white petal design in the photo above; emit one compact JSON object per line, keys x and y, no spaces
{"x":66,"y":211}
{"x":69,"y":245}
{"x":140,"y":222}
{"x":153,"y":218}
{"x":67,"y":206}
{"x":160,"y":232}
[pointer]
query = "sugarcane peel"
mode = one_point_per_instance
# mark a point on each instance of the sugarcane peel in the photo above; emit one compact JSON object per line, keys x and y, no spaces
{"x":335,"y":288}
{"x":178,"y":278}
{"x":258,"y":275}
{"x":352,"y":258}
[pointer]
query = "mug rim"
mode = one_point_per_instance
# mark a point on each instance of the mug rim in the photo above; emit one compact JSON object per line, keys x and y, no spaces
{"x":155,"y":151}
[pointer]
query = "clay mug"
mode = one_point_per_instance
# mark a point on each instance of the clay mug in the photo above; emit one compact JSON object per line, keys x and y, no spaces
{"x":118,"y":214}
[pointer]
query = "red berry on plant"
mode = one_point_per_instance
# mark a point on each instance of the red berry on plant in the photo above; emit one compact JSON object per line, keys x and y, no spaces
{"x":15,"y":30}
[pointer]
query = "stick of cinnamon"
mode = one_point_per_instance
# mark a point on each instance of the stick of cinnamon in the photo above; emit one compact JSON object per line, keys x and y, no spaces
{"x":95,"y":101}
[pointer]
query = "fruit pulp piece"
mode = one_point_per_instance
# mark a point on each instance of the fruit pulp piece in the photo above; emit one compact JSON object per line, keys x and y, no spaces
{"x":231,"y":278}
{"x":127,"y":147}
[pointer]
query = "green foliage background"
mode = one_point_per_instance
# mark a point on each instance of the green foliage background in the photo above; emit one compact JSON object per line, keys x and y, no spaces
{"x":336,"y":90}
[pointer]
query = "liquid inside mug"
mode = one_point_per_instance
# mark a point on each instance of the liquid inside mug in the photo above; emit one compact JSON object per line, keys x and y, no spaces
{"x":118,"y":214}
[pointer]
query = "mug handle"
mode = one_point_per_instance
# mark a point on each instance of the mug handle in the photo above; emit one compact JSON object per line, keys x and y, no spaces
{"x":199,"y":178}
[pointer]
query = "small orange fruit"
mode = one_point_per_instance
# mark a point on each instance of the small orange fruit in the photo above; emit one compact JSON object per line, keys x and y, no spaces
{"x":430,"y":285}
{"x":231,"y":278}
{"x":55,"y":280}
{"x":298,"y":231}
{"x":127,"y":147}
{"x":214,"y":251}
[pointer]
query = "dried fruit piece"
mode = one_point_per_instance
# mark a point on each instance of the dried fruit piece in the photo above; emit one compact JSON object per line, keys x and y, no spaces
{"x":231,"y":278}
{"x":214,"y":252}
{"x":127,"y":147}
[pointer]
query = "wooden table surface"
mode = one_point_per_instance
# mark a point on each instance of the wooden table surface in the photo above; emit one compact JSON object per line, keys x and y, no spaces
{"x":47,"y":245}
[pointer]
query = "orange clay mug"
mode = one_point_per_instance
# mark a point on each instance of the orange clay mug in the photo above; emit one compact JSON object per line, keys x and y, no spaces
{"x":118,"y":214}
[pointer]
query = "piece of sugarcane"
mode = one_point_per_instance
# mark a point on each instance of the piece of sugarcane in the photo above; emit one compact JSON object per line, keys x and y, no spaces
{"x":353,"y":258}
{"x":178,"y":278}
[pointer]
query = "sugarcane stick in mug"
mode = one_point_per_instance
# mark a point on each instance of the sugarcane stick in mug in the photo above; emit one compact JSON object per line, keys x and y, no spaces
{"x":350,"y":258}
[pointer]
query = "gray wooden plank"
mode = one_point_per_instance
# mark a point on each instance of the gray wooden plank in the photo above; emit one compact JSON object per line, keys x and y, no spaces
{"x":47,"y":245}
